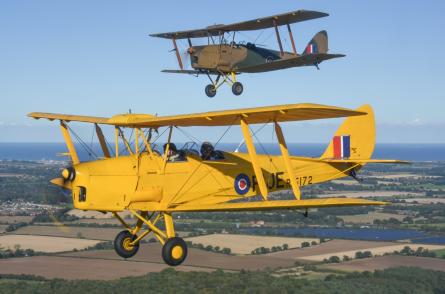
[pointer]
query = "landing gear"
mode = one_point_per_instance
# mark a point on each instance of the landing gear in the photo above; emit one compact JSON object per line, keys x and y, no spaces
{"x":210,"y":91}
{"x":237,"y":88}
{"x":223,"y":78}
{"x":126,"y":244}
{"x":174,"y":251}
{"x":123,"y":244}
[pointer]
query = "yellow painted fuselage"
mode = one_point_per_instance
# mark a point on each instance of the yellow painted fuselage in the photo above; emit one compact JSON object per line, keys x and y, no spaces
{"x":141,"y":181}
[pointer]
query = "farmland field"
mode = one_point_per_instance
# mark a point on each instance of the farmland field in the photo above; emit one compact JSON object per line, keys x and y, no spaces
{"x":72,"y":232}
{"x":440,"y":253}
{"x":244,"y":244}
{"x":95,"y":214}
{"x":198,"y":258}
{"x":45,"y":243}
{"x":382,"y":262}
{"x":374,"y":250}
{"x":6,"y":219}
{"x":426,"y":200}
{"x":80,"y":268}
{"x":370,"y":217}
{"x":347,"y":247}
{"x":365,"y":194}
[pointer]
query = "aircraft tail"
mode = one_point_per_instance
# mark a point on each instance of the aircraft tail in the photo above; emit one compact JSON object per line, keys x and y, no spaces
{"x":354,"y":140}
{"x":318,"y":44}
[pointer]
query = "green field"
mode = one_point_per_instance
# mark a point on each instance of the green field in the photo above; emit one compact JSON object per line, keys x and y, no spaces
{"x":440,"y":253}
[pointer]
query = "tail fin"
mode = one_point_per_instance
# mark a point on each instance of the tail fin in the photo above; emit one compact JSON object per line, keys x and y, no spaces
{"x":318,"y":44}
{"x":354,"y":139}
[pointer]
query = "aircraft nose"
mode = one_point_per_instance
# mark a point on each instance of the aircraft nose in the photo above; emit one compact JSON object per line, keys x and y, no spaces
{"x":69,"y":174}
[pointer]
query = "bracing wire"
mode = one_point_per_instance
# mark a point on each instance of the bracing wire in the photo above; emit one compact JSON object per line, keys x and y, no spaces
{"x":84,"y":145}
{"x":199,"y":165}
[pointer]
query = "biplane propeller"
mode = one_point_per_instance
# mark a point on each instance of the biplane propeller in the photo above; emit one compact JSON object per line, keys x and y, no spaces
{"x":225,"y":59}
{"x":154,"y":186}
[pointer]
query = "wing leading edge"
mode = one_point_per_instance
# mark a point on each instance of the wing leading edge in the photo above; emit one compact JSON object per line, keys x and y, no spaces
{"x":279,"y":113}
{"x":254,"y":24}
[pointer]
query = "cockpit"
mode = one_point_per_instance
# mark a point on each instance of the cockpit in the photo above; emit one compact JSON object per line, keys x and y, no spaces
{"x":206,"y":152}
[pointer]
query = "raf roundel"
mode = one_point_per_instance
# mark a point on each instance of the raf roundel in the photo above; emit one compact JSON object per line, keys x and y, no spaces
{"x":242,"y":184}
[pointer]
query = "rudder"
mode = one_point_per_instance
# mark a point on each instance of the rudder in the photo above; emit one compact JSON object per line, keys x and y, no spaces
{"x":318,"y":44}
{"x":355,"y":138}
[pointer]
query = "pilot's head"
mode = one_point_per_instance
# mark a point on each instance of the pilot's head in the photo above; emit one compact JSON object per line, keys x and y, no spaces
{"x":171,"y":150}
{"x":206,"y":150}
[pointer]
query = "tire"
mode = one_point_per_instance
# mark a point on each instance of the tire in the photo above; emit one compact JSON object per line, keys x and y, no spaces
{"x":210,"y":91}
{"x":121,"y":246}
{"x":237,"y":88}
{"x":174,"y":251}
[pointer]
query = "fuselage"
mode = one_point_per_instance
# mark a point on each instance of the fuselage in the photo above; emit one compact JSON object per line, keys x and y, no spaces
{"x":141,"y":181}
{"x":229,"y":58}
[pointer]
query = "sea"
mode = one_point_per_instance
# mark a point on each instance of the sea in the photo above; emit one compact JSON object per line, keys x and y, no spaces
{"x":52,"y":151}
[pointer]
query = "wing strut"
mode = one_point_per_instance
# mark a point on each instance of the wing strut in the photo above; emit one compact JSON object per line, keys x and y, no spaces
{"x":178,"y":56}
{"x":291,"y":37}
{"x":287,"y":162}
{"x":69,"y":143}
{"x":103,"y":144}
{"x":275,"y":24}
{"x":254,"y":158}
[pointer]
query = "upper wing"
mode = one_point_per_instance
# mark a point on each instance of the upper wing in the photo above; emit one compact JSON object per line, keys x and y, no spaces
{"x":254,"y":24}
{"x":280,"y":113}
{"x":302,"y":60}
{"x":69,"y":117}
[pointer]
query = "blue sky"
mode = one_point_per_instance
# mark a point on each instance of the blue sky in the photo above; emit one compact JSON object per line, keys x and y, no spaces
{"x":95,"y":58}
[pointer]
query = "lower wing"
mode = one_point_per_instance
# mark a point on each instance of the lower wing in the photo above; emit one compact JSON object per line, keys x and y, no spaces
{"x":278,"y":204}
{"x":188,"y":71}
{"x":302,"y":60}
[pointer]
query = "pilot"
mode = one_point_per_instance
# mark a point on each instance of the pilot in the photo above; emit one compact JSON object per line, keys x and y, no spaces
{"x":173,"y":153}
{"x":208,"y":152}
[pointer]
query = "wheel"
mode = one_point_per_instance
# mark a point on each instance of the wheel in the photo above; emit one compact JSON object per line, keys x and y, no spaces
{"x":122,"y":244}
{"x":174,"y":251}
{"x":210,"y":91}
{"x":237,"y":88}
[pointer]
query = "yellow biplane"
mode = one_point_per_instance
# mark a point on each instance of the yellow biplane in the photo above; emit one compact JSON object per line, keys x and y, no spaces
{"x":154,"y":185}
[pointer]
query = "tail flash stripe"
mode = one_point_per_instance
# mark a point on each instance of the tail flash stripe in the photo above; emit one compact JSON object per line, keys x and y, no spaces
{"x":337,"y":146}
{"x":346,"y":146}
{"x":311,"y":48}
{"x":342,"y":146}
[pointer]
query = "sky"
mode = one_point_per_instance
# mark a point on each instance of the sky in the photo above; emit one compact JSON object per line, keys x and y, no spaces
{"x":96,"y":58}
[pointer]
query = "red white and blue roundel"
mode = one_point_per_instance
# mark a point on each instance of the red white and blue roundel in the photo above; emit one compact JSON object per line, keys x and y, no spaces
{"x":242,"y":184}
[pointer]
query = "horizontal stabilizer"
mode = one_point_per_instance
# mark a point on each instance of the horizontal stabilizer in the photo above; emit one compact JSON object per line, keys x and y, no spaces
{"x":280,"y":204}
{"x":303,"y":60}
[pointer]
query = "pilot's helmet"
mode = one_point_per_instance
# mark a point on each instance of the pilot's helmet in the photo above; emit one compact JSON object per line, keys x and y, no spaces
{"x":206,"y":149}
{"x":171,"y":149}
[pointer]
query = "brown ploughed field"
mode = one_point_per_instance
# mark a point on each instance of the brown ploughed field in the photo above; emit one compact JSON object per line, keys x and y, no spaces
{"x":151,"y":253}
{"x":382,"y":262}
{"x":82,"y":268}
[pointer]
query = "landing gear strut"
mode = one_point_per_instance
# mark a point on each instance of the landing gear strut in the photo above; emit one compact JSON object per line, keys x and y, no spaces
{"x":227,"y":78}
{"x":126,"y":244}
